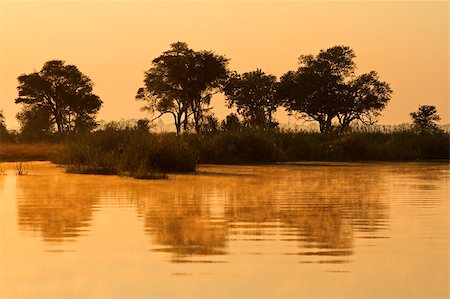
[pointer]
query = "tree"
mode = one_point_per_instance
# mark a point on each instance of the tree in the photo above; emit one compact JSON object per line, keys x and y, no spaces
{"x":4,"y":134}
{"x":253,"y":94}
{"x":207,"y":74}
{"x":64,"y":93}
{"x":363,"y":99}
{"x":210,"y":123}
{"x":324,"y":88}
{"x":163,"y":85}
{"x":143,"y":125}
{"x":425,"y":118}
{"x":35,"y":124}
{"x":231,"y":123}
{"x":181,"y":82}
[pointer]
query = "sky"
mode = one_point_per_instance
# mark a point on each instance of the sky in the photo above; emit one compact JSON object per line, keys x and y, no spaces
{"x":114,"y":42}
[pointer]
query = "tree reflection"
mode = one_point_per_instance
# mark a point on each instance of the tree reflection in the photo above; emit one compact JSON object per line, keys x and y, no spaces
{"x":320,"y":208}
{"x":181,"y":223}
{"x":58,"y":207}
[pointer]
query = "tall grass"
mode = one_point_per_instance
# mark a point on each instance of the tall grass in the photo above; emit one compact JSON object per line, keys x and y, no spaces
{"x":140,"y":154}
{"x":28,"y":151}
{"x":249,"y":146}
{"x":127,"y":151}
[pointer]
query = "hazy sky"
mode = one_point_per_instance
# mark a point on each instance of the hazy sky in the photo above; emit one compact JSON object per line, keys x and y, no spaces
{"x":113,"y":42}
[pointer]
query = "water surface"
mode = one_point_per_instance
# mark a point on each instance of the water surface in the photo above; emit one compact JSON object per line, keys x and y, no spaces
{"x":312,"y":230}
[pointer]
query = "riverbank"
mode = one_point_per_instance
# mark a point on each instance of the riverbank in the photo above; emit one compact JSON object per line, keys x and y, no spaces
{"x":20,"y":152}
{"x":141,"y":154}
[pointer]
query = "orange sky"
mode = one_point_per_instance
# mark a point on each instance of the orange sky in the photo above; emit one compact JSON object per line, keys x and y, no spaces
{"x":113,"y":42}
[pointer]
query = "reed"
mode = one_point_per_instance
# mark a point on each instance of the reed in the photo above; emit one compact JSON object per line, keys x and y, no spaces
{"x":137,"y":153}
{"x":12,"y":152}
{"x":127,"y":151}
{"x":250,"y":146}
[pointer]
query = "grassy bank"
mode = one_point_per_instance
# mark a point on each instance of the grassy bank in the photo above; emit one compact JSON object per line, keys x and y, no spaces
{"x":140,"y":154}
{"x":129,"y":152}
{"x":268,"y":146}
{"x":11,"y":152}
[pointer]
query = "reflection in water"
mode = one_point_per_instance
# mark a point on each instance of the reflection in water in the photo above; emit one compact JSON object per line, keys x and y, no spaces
{"x":318,"y":207}
{"x":61,"y":209}
{"x":182,"y":225}
{"x":241,"y":225}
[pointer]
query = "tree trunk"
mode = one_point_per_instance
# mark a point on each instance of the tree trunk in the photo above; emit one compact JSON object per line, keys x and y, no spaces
{"x":185,"y":122}
{"x":177,"y":123}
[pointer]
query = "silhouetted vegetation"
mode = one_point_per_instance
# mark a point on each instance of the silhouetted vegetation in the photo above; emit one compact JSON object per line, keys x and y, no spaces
{"x":29,"y":151}
{"x":59,"y":106}
{"x":248,"y":146}
{"x":324,"y":88}
{"x":254,"y":95}
{"x":58,"y":96}
{"x":5,"y":135}
{"x":138,"y":153}
{"x":127,"y":151}
{"x":181,"y":82}
{"x":425,"y":118}
{"x":34,"y":124}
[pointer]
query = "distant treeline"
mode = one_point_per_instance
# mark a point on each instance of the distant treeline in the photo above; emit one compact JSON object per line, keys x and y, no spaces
{"x":181,"y":82}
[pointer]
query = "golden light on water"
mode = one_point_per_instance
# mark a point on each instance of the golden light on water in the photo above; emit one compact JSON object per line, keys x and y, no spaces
{"x":372,"y":230}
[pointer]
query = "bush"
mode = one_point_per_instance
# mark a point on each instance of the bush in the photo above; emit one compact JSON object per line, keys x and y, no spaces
{"x":237,"y":147}
{"x":128,"y":151}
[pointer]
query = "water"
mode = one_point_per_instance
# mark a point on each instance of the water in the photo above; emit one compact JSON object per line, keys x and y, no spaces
{"x":312,"y":230}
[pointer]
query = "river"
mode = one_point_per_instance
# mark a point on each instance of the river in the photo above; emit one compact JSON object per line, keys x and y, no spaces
{"x":305,"y":230}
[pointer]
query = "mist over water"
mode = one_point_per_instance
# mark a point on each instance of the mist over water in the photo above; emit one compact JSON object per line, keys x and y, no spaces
{"x":353,"y":230}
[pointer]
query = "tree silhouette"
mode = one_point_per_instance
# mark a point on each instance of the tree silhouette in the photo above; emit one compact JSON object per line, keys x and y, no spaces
{"x":181,"y":82}
{"x":4,"y":134}
{"x":35,"y":124}
{"x":231,"y":123}
{"x":210,"y":123}
{"x":324,"y":88}
{"x":63,"y":92}
{"x":163,"y":82}
{"x":364,"y":97}
{"x":425,"y":118}
{"x":253,"y":94}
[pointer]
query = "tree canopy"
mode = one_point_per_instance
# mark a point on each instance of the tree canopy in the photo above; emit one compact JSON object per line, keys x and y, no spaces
{"x":253,"y":94}
{"x":325,"y":88}
{"x":63,"y":93}
{"x":425,"y":118}
{"x":181,"y":82}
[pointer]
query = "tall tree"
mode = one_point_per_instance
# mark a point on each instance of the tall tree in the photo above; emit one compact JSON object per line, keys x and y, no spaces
{"x":181,"y":82}
{"x":324,"y":88}
{"x":206,"y":75}
{"x":64,"y":93}
{"x":253,"y":94}
{"x":163,"y":85}
{"x":425,"y":118}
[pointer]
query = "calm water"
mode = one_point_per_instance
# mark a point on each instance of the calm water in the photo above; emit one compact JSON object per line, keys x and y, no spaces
{"x":286,"y":231}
